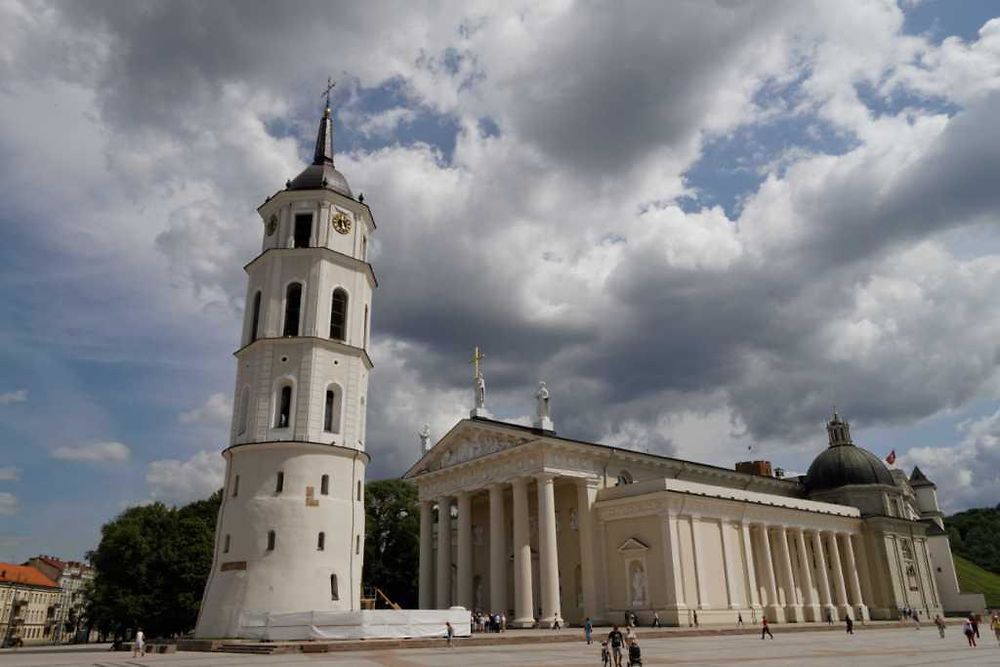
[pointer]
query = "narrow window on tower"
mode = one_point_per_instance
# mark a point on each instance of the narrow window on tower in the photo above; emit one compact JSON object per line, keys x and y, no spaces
{"x":331,"y":410}
{"x":293,"y":306}
{"x":303,"y":229}
{"x":279,"y":483}
{"x":333,"y":587}
{"x":270,"y":540}
{"x":244,"y":410}
{"x":364,"y":248}
{"x":236,"y":486}
{"x":225,"y":548}
{"x":366,"y":326}
{"x":324,"y":485}
{"x":255,"y":322}
{"x":338,"y":315}
{"x":321,"y":542}
{"x":284,"y":416}
{"x":357,"y":544}
{"x":359,"y":489}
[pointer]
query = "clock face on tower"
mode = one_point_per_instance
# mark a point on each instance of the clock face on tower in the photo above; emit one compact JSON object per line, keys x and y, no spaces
{"x":341,"y":222}
{"x":272,"y":225}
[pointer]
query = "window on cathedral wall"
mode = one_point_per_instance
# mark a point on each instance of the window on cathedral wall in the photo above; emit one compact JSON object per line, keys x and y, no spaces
{"x":338,"y":315}
{"x":293,"y":308}
{"x":255,"y":314}
{"x":284,"y":414}
{"x":303,"y":229}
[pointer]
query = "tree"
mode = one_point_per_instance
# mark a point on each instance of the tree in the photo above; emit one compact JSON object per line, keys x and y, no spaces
{"x":150,"y":568}
{"x":392,"y":541}
{"x":975,"y":534}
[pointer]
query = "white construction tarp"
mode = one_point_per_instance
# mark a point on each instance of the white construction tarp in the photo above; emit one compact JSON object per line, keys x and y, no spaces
{"x":364,"y":624}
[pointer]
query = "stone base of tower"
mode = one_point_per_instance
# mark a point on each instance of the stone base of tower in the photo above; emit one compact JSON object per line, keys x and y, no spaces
{"x":365,"y":624}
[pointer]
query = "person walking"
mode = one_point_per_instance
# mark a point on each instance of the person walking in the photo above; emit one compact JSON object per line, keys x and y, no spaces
{"x":588,"y":630}
{"x":739,"y":619}
{"x":605,"y":655}
{"x":140,"y":643}
{"x":975,"y":624}
{"x":656,"y":619}
{"x":696,"y":619}
{"x":630,"y":637}
{"x":449,"y":633}
{"x":939,"y":622}
{"x":829,"y":617}
{"x":765,"y":629}
{"x":850,"y":624}
{"x":616,"y":640}
{"x":970,"y":634}
{"x":995,"y":624}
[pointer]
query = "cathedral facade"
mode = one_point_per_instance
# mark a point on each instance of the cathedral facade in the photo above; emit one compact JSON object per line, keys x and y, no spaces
{"x":546,"y":529}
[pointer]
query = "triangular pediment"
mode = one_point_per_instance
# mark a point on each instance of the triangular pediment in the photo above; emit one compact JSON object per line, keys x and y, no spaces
{"x":633,"y":545}
{"x":469,"y":439}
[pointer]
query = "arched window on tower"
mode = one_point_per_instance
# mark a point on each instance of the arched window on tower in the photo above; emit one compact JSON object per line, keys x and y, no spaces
{"x":293,"y":307}
{"x":255,"y":322}
{"x":331,"y":410}
{"x":284,"y":415}
{"x":244,"y":414}
{"x":303,"y":229}
{"x":338,"y":315}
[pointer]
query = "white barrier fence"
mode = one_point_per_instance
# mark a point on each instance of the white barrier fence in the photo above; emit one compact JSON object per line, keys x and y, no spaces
{"x":364,"y":624}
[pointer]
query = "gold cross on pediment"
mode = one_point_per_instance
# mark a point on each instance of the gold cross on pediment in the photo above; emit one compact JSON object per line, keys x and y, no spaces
{"x":477,"y":356}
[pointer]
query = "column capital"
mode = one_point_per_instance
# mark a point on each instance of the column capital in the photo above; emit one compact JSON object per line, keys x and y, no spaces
{"x":545,"y":476}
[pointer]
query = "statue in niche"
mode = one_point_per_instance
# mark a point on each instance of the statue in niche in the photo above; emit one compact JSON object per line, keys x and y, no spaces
{"x":637,"y":580}
{"x":425,"y":438}
{"x":478,"y":535}
{"x":480,"y":391}
{"x":572,"y":519}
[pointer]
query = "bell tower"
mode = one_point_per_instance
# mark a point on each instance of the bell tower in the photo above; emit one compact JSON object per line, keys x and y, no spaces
{"x":290,"y":534}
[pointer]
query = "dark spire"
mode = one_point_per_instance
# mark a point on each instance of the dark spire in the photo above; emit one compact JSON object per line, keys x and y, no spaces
{"x":324,"y":140}
{"x":839,"y":431}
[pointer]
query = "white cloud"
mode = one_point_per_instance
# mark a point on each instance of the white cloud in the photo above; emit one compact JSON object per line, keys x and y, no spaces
{"x":217,"y":409}
{"x":97,"y":452}
{"x":16,"y":396}
{"x":9,"y":474}
{"x":8,"y":503}
{"x":176,"y":482}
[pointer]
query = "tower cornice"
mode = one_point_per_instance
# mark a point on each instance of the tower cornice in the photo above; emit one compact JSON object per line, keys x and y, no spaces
{"x":347,"y":452}
{"x":335,"y":345}
{"x":335,"y":256}
{"x":282,"y":196}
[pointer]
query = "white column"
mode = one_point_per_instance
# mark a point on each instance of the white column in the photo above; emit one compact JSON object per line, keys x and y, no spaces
{"x":812,"y":612}
{"x":548,"y":554}
{"x":524,"y":615}
{"x":699,"y":565}
{"x":773,"y":607}
{"x":822,"y":577}
{"x":426,"y":555}
{"x":444,"y":553}
{"x":838,"y":574}
{"x":793,"y":606}
{"x":498,"y":551}
{"x":586,"y":493}
{"x":861,"y":558}
{"x":729,"y":562}
{"x":674,"y":566}
{"x":853,"y":584}
{"x":463,"y":580}
{"x":751,"y":580}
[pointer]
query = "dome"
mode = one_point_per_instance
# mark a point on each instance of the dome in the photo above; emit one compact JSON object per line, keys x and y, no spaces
{"x":321,"y":174}
{"x":846,"y":464}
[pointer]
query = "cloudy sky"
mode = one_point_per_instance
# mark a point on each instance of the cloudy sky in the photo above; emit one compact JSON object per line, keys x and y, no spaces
{"x":704,"y":225}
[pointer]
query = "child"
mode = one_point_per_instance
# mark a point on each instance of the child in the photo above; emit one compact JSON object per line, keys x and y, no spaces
{"x":605,"y":655}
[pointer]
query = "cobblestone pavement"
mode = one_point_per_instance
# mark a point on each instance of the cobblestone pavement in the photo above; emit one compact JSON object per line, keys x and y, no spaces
{"x":884,"y":647}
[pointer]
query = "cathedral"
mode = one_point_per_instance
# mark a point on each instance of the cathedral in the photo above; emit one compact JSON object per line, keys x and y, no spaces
{"x":550,"y":529}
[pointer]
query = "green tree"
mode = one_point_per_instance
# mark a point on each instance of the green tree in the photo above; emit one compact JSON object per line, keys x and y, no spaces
{"x":150,"y":568}
{"x":392,"y":540}
{"x":975,"y":534}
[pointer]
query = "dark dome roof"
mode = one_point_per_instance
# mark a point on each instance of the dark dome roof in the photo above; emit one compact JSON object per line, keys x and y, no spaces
{"x":845,"y":464}
{"x":321,"y":176}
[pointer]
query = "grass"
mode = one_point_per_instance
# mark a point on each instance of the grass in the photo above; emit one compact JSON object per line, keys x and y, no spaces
{"x":974,"y":579}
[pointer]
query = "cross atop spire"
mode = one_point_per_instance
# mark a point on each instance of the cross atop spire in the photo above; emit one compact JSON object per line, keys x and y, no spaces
{"x":330,"y":84}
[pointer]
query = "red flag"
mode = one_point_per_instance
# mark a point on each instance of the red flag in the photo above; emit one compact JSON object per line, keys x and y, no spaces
{"x":891,"y":458}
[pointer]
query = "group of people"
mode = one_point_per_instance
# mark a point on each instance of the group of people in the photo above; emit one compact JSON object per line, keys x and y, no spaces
{"x":489,"y":622}
{"x":970,"y":627}
{"x":619,"y":645}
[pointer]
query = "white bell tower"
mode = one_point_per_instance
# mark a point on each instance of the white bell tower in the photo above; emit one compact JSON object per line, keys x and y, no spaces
{"x":290,"y":533}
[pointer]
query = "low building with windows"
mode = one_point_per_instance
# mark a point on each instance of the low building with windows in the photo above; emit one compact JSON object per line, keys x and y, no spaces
{"x":29,"y":605}
{"x":546,"y":528}
{"x":72,"y":577}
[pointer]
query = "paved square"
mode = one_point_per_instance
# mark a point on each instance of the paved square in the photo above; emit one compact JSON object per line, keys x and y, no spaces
{"x":869,"y":647}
